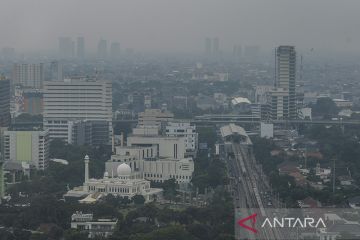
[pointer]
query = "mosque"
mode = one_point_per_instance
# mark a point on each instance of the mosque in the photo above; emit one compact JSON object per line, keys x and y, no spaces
{"x":125,"y":184}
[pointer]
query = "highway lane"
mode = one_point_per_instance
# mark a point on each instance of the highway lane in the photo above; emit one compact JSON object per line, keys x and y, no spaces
{"x":248,"y":186}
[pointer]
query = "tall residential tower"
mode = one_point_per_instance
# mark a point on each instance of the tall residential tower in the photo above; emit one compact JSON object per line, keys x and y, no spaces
{"x":283,"y":98}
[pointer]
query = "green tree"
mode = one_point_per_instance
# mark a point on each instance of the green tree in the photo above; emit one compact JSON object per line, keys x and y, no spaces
{"x":325,"y":107}
{"x":139,"y":199}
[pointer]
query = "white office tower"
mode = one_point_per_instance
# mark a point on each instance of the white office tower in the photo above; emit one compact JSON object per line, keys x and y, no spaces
{"x":28,"y":75}
{"x":27,"y":147}
{"x":187,"y":131}
{"x":285,"y":82}
{"x":68,"y":102}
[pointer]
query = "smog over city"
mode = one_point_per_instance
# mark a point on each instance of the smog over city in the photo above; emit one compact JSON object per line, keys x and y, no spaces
{"x":179,"y":120}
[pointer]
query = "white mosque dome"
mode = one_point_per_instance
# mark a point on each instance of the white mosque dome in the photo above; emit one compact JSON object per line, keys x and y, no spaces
{"x":123,"y":170}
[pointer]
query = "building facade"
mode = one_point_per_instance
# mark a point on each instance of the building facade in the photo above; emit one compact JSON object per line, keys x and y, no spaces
{"x":4,"y":102}
{"x":31,"y":147}
{"x":28,"y":75}
{"x":32,"y":100}
{"x":56,"y":71}
{"x":166,"y":147}
{"x":102,"y":49}
{"x":286,"y":76}
{"x":145,"y":161}
{"x":185,"y":130}
{"x":154,"y":117}
{"x":66,"y":47}
{"x":95,"y":227}
{"x":279,"y":102}
{"x":80,"y":48}
{"x":87,"y":132}
{"x":76,"y":99}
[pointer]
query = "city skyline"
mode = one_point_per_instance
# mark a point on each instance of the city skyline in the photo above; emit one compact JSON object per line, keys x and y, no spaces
{"x":141,"y":24}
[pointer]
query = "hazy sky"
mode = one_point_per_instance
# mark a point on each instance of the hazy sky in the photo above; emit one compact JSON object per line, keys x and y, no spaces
{"x":182,"y":25}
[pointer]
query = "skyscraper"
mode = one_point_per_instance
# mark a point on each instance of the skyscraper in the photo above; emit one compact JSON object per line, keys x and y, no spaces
{"x":216,"y":47}
{"x":66,"y":47}
{"x":208,"y":46}
{"x":283,"y":97}
{"x":102,"y":49}
{"x":286,"y":75}
{"x":237,"y":51}
{"x":115,"y":50}
{"x":4,"y":102}
{"x":56,"y":71}
{"x":80,"y":48}
{"x":28,"y":75}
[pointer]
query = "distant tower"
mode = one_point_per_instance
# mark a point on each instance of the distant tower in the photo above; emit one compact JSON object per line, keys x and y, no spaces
{"x":208,"y":46}
{"x":216,"y":46}
{"x":115,"y":50}
{"x":86,"y":160}
{"x":102,"y":49}
{"x":56,"y":71}
{"x":80,"y":47}
{"x":66,"y":47}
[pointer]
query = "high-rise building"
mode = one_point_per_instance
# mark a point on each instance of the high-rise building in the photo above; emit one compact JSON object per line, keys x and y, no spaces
{"x":286,"y":75}
{"x":32,"y":100}
{"x":208,"y":46}
{"x":31,"y":147}
{"x":102,"y":49}
{"x":279,"y":102}
{"x":71,"y":100}
{"x":80,"y":48}
{"x":237,"y":51}
{"x":56,"y":71}
{"x":115,"y":50}
{"x":216,"y":47}
{"x":66,"y":47}
{"x":4,"y":102}
{"x":28,"y":75}
{"x":92,"y":133}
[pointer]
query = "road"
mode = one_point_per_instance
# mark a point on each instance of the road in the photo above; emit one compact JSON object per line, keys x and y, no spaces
{"x":250,"y":188}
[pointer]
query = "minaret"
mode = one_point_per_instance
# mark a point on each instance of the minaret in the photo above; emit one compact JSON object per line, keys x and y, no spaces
{"x":86,"y":160}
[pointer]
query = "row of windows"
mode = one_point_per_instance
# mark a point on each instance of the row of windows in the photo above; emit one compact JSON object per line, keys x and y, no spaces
{"x":171,"y":176}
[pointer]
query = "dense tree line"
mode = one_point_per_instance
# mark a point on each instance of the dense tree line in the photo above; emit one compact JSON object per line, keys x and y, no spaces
{"x":285,"y":185}
{"x":46,"y":205}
